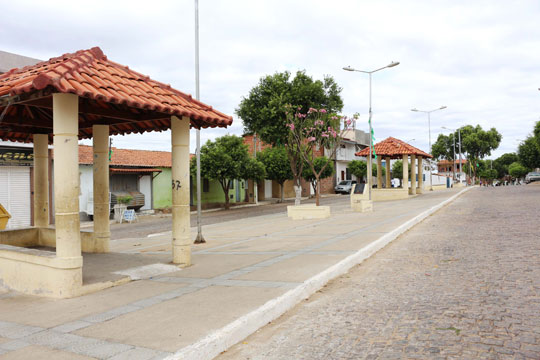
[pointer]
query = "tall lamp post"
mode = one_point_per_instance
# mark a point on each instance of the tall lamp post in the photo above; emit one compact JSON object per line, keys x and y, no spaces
{"x":459,"y":150}
{"x":369,"y":171}
{"x":199,"y":239}
{"x":428,"y":112}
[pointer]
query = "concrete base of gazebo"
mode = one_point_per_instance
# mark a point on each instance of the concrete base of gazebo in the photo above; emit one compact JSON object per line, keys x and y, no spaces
{"x":27,"y":268}
{"x":378,"y":195}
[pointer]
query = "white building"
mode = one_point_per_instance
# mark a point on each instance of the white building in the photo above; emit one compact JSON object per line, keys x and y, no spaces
{"x":353,"y":141}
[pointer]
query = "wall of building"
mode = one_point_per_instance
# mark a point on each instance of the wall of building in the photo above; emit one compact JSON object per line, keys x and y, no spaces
{"x":211,"y":194}
{"x":145,"y":186}
{"x":86,"y":188}
{"x":161,"y":189}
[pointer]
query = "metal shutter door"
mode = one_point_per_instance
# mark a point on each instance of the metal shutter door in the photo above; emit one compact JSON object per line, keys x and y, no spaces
{"x":15,"y":194}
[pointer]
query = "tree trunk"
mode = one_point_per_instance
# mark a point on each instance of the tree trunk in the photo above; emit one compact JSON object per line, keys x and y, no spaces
{"x":297,"y":191}
{"x":227,"y":205}
{"x":226,"y":191}
{"x":282,"y":192}
{"x":317,"y":191}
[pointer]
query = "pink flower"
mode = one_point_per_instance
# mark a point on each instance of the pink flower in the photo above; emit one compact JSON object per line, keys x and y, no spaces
{"x":312,"y":110}
{"x":319,"y":122}
{"x":311,"y":138}
{"x":324,"y":134}
{"x":291,"y":125}
{"x":322,"y":111}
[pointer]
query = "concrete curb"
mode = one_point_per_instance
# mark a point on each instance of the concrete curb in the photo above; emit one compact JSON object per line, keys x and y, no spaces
{"x":222,"y":339}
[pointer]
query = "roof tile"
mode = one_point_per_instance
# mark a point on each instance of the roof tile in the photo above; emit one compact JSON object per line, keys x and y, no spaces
{"x":394,"y":147}
{"x":88,"y":72}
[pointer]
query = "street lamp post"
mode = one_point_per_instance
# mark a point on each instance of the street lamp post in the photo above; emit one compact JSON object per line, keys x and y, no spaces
{"x":459,"y":150}
{"x":369,"y":171}
{"x":199,"y":239}
{"x":428,"y":112}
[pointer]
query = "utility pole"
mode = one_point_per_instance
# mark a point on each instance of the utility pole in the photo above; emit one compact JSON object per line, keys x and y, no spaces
{"x":255,"y":186}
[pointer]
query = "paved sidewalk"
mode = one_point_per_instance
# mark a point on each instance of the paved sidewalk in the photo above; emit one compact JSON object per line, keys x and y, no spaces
{"x":245,"y":264}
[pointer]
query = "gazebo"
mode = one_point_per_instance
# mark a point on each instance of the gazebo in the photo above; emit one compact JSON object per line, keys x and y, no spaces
{"x":392,"y":148}
{"x":78,"y":96}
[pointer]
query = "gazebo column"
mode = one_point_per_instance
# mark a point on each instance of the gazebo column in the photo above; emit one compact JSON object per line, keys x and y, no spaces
{"x":420,"y":189}
{"x":181,"y":238}
{"x":379,"y":172}
{"x":41,"y":180}
{"x":412,"y":190}
{"x":102,"y":231}
{"x":405,"y":179}
{"x":388,"y":183}
{"x":66,"y":188}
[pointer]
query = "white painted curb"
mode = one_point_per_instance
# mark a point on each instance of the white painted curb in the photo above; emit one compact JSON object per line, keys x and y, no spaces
{"x":222,"y":339}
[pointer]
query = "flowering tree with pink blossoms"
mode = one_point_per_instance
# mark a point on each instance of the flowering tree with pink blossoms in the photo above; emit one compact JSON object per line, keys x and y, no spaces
{"x":316,"y":129}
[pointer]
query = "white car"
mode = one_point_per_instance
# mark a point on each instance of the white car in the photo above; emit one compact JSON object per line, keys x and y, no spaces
{"x":345,"y":187}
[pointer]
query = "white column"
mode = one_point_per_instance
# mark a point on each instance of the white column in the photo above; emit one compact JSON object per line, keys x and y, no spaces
{"x":420,"y":189}
{"x":379,"y":172}
{"x":102,"y":231}
{"x":405,"y":179}
{"x":181,"y":238}
{"x":388,"y":169}
{"x":412,"y":190}
{"x":41,"y":180}
{"x":66,"y":175}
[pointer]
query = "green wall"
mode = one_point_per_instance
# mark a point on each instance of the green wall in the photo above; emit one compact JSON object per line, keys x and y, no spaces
{"x":215,"y":192}
{"x":162,"y":192}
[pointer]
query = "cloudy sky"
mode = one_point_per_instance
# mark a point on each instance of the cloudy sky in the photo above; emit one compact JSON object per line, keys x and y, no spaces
{"x":479,"y":58}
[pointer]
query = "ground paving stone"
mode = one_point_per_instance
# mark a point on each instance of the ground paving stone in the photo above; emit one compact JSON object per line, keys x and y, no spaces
{"x":465,"y":283}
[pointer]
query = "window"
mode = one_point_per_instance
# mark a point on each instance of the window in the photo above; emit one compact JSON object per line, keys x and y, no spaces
{"x":206,"y":185}
{"x":348,"y":174}
{"x":231,"y":185}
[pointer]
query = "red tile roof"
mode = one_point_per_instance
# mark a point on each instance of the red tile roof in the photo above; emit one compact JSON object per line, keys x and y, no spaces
{"x":450,"y":162}
{"x":394,"y":148}
{"x":134,"y":170}
{"x":127,"y":157}
{"x":106,"y":86}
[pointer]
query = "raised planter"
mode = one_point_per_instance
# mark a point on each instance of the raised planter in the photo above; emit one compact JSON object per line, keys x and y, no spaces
{"x":310,"y":211}
{"x":119,"y":210}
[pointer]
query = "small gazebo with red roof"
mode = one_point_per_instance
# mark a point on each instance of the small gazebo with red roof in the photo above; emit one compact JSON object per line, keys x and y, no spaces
{"x":392,"y":148}
{"x":76,"y":96}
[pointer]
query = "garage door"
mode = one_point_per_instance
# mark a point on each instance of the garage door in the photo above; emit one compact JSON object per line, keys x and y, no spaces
{"x":15,"y":194}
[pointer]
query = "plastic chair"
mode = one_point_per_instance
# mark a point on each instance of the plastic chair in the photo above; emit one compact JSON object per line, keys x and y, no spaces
{"x":129,"y":215}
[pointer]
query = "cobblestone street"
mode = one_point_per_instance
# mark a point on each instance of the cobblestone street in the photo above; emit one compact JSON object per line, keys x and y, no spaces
{"x":463,"y":284}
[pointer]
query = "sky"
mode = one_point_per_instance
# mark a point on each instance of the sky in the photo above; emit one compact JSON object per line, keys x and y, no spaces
{"x":479,"y":58}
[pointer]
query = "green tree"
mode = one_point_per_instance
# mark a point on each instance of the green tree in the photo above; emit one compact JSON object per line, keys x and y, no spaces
{"x":264,"y":110}
{"x":517,"y":170}
{"x":529,"y":153}
{"x":488,"y":175}
{"x":359,"y":169}
{"x":277,"y":165}
{"x":443,"y":148}
{"x":478,"y":143}
{"x":321,"y":164}
{"x":226,"y":159}
{"x":502,"y":162}
{"x":536,"y":133}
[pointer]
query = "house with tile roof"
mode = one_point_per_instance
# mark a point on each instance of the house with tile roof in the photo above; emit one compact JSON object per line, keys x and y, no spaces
{"x":148,"y":172}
